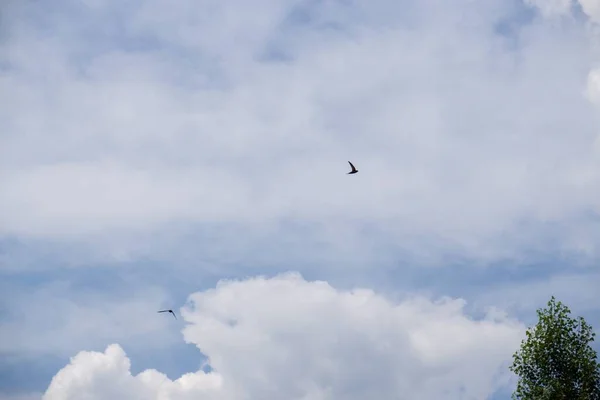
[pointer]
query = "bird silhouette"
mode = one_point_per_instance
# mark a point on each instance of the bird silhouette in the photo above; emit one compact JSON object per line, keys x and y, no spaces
{"x":170,"y":311}
{"x":354,"y":170}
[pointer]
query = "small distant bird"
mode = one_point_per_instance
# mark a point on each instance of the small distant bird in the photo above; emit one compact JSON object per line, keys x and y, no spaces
{"x":171,"y":311}
{"x":354,"y":170}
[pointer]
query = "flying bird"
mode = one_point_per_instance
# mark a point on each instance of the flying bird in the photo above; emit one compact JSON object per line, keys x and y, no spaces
{"x":170,"y":311}
{"x":354,"y":170}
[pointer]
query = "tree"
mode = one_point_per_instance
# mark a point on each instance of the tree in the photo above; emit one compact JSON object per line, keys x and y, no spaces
{"x":556,"y":360}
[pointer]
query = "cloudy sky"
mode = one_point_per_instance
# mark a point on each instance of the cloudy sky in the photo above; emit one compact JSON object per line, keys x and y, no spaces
{"x":192,"y":154}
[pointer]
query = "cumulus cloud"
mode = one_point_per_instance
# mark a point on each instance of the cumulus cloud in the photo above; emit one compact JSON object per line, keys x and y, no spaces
{"x":107,"y":375}
{"x":286,"y":337}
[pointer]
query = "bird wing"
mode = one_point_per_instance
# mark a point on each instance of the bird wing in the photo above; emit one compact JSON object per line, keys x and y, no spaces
{"x":171,"y":311}
{"x":353,"y":169}
{"x":163,"y":311}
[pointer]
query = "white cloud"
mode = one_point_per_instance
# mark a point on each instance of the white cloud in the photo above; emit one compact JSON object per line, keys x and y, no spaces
{"x":107,"y":375}
{"x":552,"y":8}
{"x":460,"y":140}
{"x":132,"y":128}
{"x":591,"y":8}
{"x":289,"y":338}
{"x":593,"y":86}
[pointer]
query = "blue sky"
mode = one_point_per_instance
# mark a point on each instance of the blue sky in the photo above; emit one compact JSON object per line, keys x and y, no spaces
{"x":192,"y":155}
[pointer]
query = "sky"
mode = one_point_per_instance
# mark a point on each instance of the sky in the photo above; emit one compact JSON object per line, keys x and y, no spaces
{"x":192,"y":155}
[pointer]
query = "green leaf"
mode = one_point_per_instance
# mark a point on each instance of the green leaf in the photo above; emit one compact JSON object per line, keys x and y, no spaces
{"x":556,"y":360}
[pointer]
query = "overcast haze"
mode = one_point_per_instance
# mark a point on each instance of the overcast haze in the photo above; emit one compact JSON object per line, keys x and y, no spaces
{"x":192,"y":155}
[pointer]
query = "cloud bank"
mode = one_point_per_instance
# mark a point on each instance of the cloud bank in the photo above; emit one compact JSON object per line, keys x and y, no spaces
{"x":286,"y":337}
{"x":473,"y":139}
{"x":146,"y":147}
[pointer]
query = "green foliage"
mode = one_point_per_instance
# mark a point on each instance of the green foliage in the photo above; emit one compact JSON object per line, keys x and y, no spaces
{"x":556,"y":360}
